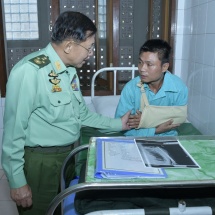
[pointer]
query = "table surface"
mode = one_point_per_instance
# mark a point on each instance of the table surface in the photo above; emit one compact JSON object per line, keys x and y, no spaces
{"x":201,"y":148}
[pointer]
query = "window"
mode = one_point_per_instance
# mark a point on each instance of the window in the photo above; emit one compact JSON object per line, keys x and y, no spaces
{"x":27,"y":28}
{"x":21,"y":19}
{"x":102,"y":19}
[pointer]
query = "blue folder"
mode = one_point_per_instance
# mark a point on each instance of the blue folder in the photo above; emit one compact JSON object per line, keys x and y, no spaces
{"x":101,"y":172}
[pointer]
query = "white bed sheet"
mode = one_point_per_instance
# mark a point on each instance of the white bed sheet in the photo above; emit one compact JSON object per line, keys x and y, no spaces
{"x":105,"y":105}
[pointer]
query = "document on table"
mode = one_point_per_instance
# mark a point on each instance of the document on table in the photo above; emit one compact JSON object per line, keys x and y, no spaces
{"x":122,"y":159}
{"x":168,"y":154}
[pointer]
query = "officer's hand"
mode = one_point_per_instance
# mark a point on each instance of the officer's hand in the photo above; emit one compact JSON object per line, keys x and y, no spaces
{"x":124,"y":119}
{"x":134,"y":120}
{"x":166,"y":126}
{"x":22,"y":196}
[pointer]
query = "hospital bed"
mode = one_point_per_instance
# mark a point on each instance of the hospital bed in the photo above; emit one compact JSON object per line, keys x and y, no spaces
{"x":187,"y":191}
{"x":105,"y":105}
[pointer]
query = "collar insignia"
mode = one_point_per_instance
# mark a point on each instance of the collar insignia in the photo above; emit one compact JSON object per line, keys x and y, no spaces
{"x":58,"y":66}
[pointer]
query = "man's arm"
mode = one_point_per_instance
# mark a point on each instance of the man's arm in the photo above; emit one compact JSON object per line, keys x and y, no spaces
{"x":20,"y":96}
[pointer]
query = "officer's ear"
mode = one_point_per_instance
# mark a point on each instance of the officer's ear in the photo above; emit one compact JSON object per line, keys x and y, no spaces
{"x":67,"y":47}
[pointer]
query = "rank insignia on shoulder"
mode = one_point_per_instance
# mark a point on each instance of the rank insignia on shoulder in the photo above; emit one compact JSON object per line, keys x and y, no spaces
{"x":74,"y":84}
{"x":40,"y":60}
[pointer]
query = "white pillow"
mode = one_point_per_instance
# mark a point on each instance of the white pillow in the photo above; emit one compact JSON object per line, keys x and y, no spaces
{"x":106,"y":105}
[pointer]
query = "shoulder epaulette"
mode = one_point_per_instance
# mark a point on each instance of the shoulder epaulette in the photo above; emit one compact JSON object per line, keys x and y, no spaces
{"x":40,"y":60}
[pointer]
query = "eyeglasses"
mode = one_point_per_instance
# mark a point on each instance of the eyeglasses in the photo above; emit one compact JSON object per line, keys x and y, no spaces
{"x":90,"y":50}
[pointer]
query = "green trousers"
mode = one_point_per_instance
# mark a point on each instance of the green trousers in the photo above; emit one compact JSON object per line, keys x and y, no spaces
{"x":42,"y":171}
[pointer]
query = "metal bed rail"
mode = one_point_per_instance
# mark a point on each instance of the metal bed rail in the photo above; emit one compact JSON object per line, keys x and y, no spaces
{"x":64,"y":166}
{"x":114,"y":70}
{"x":121,"y":185}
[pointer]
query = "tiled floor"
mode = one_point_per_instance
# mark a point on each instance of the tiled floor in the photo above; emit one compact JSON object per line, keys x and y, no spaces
{"x":7,"y":206}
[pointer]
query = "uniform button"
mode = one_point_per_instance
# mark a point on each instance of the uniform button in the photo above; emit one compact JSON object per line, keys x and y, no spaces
{"x":59,"y":101}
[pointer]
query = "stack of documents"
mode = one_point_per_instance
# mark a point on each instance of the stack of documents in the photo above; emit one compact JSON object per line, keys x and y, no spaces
{"x":139,"y":158}
{"x":117,"y":159}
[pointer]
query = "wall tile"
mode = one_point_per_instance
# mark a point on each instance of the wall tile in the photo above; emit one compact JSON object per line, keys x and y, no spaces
{"x":210,"y":24}
{"x":200,"y":75}
{"x":181,"y":4}
{"x":177,"y":67}
{"x":207,"y":77}
{"x":194,"y":103}
{"x":195,"y":121}
{"x":202,"y":18}
{"x":193,"y":3}
{"x":190,"y":75}
{"x":211,"y":120}
{"x":204,"y":108}
{"x":212,"y":93}
{"x":199,"y":52}
{"x":186,"y":47}
{"x":203,"y":1}
{"x":180,"y":22}
{"x":193,"y":19}
{"x":192,"y":54}
{"x":187,"y":4}
{"x":197,"y":77}
{"x":187,"y":22}
{"x":184,"y":70}
{"x":209,"y":50}
{"x":178,"y":45}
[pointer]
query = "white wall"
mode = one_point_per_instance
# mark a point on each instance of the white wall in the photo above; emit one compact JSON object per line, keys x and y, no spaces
{"x":195,"y":60}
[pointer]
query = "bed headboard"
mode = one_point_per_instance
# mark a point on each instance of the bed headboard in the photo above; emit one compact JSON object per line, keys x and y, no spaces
{"x":132,"y":69}
{"x":106,"y":105}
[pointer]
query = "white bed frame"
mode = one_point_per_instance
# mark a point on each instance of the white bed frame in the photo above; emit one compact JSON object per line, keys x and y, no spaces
{"x":106,"y":105}
{"x":132,"y":69}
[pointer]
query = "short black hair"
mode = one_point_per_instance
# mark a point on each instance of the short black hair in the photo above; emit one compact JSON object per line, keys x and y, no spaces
{"x":157,"y":46}
{"x":72,"y":25}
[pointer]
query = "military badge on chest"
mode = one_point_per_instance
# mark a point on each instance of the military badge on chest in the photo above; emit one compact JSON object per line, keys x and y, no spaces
{"x":74,"y":84}
{"x":55,"y":82}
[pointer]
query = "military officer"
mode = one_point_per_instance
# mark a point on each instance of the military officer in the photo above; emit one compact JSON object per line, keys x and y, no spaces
{"x":44,"y":112}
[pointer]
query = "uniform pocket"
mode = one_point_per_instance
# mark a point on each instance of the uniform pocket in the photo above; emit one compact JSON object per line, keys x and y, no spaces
{"x":60,"y":98}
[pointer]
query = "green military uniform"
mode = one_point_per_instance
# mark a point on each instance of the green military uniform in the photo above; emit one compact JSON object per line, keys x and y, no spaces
{"x":44,"y":107}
